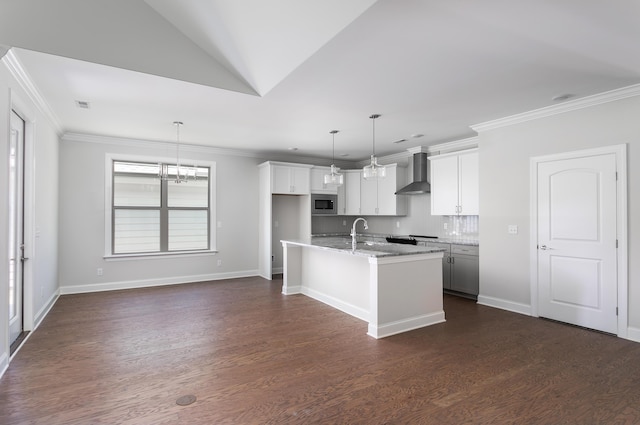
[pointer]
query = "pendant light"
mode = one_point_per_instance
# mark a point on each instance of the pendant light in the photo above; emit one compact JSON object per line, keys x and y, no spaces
{"x":182,"y":174}
{"x":334,"y":177}
{"x":374,"y":170}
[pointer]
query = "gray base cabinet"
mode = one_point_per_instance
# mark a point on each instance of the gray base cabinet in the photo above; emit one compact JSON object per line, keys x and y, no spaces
{"x":460,"y":270}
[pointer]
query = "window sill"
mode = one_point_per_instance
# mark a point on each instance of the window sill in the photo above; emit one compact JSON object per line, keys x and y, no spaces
{"x":158,"y":255}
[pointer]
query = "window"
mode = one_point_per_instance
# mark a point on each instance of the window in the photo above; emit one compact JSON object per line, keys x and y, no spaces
{"x":153,"y":215}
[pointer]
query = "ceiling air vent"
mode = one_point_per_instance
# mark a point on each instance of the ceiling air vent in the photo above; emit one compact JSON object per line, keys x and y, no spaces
{"x":82,"y":104}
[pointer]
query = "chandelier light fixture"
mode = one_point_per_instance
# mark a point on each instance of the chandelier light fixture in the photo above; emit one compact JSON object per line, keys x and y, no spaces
{"x":334,"y":178}
{"x":374,"y":170}
{"x":177,"y":173}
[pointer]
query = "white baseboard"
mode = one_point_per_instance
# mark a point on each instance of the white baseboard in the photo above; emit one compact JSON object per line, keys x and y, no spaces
{"x":4,"y":364}
{"x":505,"y":305}
{"x":291,"y":290}
{"x":633,"y":334}
{"x":46,"y":308}
{"x":132,"y":284}
{"x":336,"y":303}
{"x":392,"y":328}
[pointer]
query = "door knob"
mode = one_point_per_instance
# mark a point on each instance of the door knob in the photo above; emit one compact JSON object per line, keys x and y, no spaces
{"x":544,"y":247}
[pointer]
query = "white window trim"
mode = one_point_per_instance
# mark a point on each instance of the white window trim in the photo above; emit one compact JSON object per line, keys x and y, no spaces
{"x":108,"y":210}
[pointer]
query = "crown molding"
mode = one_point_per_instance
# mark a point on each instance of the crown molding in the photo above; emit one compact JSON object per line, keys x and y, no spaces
{"x":15,"y":68}
{"x":456,"y":145}
{"x":405,"y":156}
{"x":572,"y":105}
{"x":198,"y":149}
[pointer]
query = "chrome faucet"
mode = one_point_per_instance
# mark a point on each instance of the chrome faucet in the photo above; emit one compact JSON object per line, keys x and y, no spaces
{"x":353,"y":231}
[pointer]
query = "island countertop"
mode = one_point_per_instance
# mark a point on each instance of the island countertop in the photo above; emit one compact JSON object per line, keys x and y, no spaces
{"x":366,"y":248}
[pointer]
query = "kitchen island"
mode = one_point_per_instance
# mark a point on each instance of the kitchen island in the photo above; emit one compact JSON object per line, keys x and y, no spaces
{"x":395,"y":288}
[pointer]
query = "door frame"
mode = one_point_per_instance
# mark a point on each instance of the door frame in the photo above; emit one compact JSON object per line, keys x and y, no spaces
{"x":18,"y":105}
{"x":620,"y":152}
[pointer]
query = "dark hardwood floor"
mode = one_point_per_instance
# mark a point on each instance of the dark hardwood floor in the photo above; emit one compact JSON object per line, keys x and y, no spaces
{"x":253,"y":356}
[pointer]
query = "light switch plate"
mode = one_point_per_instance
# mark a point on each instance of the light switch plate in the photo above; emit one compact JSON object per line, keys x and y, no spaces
{"x":513,"y":229}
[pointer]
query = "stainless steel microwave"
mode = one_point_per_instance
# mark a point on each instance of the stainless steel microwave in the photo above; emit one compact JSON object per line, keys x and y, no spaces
{"x":324,"y":204}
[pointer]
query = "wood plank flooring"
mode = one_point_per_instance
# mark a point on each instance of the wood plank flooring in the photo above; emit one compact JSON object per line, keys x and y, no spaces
{"x":253,"y":356}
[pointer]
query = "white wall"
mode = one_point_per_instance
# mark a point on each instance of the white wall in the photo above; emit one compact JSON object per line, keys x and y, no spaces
{"x":504,"y":191}
{"x":82,"y":208}
{"x":41,"y":205}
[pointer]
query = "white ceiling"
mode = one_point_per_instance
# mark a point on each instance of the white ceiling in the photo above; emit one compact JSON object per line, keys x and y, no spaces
{"x":269,"y":75}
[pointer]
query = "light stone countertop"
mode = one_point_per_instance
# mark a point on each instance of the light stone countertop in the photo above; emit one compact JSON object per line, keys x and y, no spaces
{"x":382,"y":238}
{"x":365,"y":247}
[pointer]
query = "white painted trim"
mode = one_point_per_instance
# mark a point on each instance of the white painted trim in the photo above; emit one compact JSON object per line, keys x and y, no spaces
{"x":146,"y":283}
{"x":4,"y":364}
{"x":44,"y":311}
{"x":455,"y":153}
{"x":455,"y":146}
{"x":572,"y":105}
{"x":108,"y":194}
{"x":620,"y":152}
{"x":402,"y":158}
{"x":46,"y":308}
{"x":336,"y":303}
{"x":15,"y":68}
{"x":633,"y":334}
{"x":292,"y":290}
{"x":200,"y":149}
{"x":393,"y":328}
{"x":28,"y":115}
{"x":505,"y":305}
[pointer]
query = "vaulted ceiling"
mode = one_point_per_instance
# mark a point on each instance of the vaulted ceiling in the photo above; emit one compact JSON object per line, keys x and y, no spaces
{"x":271,"y":75}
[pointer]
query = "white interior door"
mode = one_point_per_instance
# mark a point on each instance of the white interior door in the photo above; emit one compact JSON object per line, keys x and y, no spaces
{"x":577,"y":249}
{"x":16,"y":226}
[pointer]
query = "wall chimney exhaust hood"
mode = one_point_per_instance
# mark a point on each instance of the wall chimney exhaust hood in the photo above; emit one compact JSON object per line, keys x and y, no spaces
{"x":420,"y":183}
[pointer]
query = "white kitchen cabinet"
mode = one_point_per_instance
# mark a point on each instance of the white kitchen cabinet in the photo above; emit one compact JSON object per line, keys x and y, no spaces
{"x":317,"y":181}
{"x":281,"y":216}
{"x":454,"y":183}
{"x":377,"y":197}
{"x":352,"y":192}
{"x":293,"y":179}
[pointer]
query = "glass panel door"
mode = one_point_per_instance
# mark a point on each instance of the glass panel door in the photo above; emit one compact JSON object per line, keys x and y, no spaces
{"x":16,"y":226}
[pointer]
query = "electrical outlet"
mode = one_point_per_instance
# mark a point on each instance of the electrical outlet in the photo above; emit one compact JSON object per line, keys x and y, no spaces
{"x":344,"y":222}
{"x":99,"y":271}
{"x":276,"y":224}
{"x":513,"y":229}
{"x":446,"y":226}
{"x":219,"y":263}
{"x":397,"y":224}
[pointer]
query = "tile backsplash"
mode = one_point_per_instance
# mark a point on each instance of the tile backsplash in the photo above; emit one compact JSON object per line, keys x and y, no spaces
{"x":464,"y":226}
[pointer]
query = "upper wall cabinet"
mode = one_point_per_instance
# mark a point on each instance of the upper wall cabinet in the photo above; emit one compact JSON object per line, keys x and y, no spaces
{"x":352,"y":192}
{"x":317,"y":181}
{"x":454,"y":183}
{"x":377,"y":197}
{"x":290,"y":179}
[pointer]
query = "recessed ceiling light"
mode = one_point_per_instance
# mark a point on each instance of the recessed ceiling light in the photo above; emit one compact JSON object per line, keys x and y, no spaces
{"x":400,"y":141}
{"x":293,"y":149}
{"x":562,"y":97}
{"x":344,"y":154}
{"x":82,"y":104}
{"x":417,"y":136}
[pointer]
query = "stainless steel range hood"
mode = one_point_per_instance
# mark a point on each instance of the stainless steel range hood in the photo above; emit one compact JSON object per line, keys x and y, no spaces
{"x":420,"y":183}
